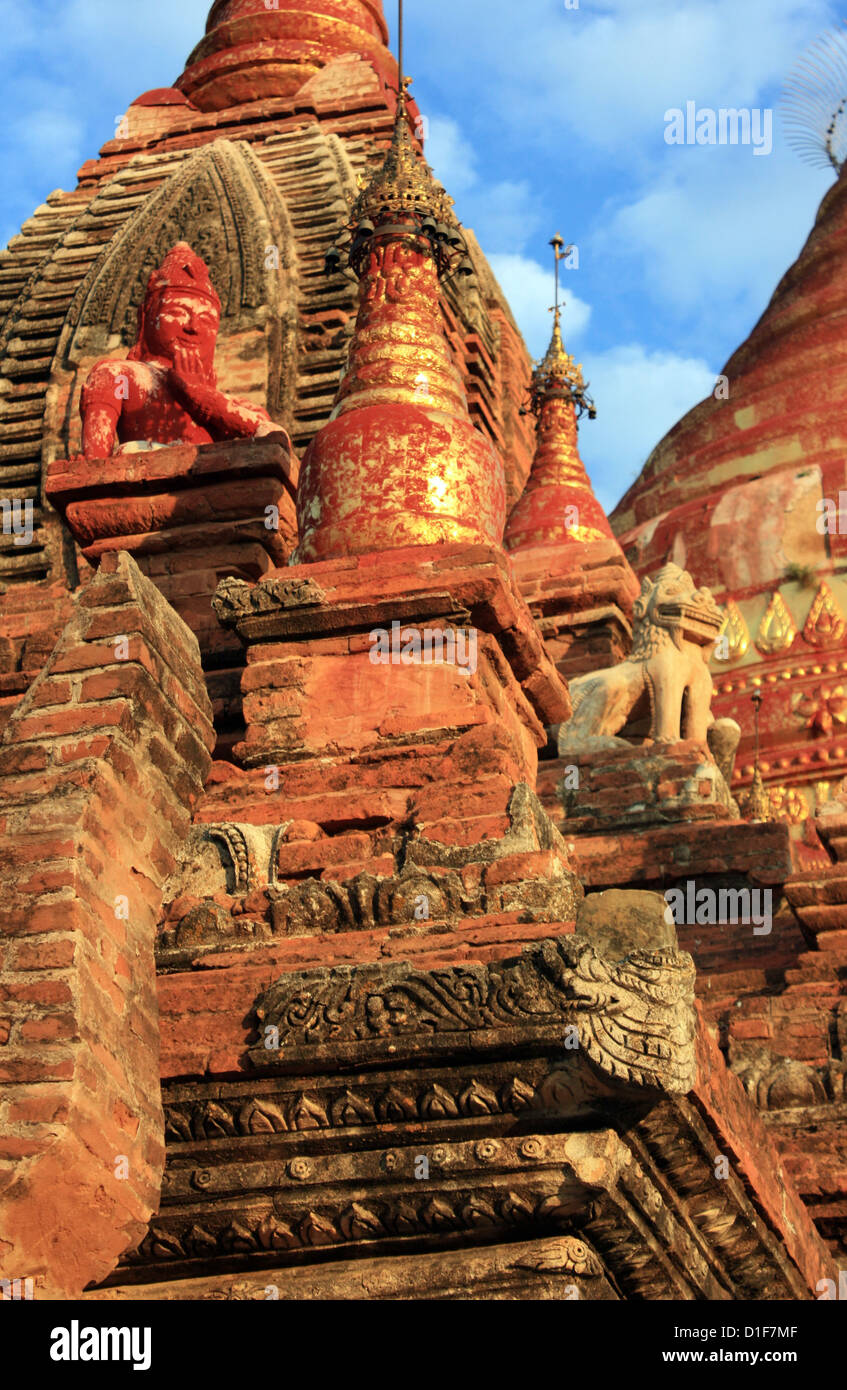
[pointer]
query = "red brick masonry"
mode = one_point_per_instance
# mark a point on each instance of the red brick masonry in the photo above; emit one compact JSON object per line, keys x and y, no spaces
{"x":100,"y":767}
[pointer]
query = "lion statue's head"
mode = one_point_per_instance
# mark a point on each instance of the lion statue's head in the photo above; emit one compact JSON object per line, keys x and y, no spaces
{"x":671,"y":601}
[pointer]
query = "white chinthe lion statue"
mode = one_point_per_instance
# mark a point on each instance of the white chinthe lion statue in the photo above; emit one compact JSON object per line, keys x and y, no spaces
{"x":674,"y":632}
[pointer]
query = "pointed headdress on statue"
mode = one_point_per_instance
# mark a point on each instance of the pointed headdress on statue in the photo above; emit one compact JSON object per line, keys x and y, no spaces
{"x":182,"y":271}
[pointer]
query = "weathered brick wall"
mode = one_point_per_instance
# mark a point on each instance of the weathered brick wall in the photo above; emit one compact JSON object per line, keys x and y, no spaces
{"x":100,"y":767}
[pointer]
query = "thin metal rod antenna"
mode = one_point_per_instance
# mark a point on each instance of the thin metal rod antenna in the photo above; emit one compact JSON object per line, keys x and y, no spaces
{"x":757,"y":701}
{"x":556,"y":262}
{"x":558,"y":255}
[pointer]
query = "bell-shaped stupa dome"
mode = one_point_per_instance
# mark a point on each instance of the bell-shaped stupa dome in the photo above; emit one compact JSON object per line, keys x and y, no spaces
{"x":252,"y":50}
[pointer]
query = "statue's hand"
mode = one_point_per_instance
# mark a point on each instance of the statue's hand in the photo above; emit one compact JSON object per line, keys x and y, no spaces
{"x":187,"y":369}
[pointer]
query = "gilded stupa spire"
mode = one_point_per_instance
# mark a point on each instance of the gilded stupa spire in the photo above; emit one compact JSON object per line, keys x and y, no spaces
{"x":558,"y":506}
{"x":404,"y":193}
{"x":557,"y":371}
{"x":399,"y":463}
{"x":404,"y":185}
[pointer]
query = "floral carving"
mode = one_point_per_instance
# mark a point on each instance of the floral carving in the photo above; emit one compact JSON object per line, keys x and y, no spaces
{"x":235,"y":598}
{"x":822,"y":708}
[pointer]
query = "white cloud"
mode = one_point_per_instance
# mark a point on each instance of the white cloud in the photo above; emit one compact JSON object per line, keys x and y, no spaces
{"x":716,"y":228}
{"x":640,"y":395}
{"x":528,"y":287}
{"x":503,"y":213}
{"x":608,"y":72}
{"x":451,"y":156}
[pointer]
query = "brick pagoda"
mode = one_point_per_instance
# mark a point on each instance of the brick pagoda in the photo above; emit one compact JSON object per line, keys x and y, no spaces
{"x":347,"y":768}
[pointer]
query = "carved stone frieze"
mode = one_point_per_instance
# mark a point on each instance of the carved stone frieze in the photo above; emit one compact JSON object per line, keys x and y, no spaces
{"x":366,"y":901}
{"x":532,"y":1184}
{"x":384,"y":1100}
{"x":726,"y":1225}
{"x":227,"y":865}
{"x":547,"y":1267}
{"x":331,"y":1226}
{"x":313,"y":905}
{"x":645,"y":1209}
{"x":236,"y":599}
{"x":634,"y":1017}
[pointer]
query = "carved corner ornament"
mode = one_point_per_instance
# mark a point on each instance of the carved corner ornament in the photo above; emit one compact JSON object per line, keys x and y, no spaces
{"x":821,"y":709}
{"x":634,"y":1018}
{"x":566,"y":1255}
{"x":235,"y":599}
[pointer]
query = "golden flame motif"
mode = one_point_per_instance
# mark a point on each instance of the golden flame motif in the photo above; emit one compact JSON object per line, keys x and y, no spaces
{"x":736,"y":633}
{"x":823,"y":794}
{"x":825,"y":625}
{"x":777,"y":629}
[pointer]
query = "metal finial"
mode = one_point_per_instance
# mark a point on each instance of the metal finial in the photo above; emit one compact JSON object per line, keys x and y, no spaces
{"x":757,"y":697}
{"x":759,"y":803}
{"x":559,"y":253}
{"x":404,"y":197}
{"x":557,"y":373}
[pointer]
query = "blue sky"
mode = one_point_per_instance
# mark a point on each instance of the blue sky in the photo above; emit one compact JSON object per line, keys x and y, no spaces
{"x":542,"y":118}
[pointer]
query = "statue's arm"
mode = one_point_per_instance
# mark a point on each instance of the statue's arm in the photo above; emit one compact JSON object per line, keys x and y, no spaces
{"x":100,"y":407}
{"x":216,"y":410}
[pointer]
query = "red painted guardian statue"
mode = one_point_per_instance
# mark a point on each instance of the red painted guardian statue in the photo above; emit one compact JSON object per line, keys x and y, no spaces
{"x":165,"y":391}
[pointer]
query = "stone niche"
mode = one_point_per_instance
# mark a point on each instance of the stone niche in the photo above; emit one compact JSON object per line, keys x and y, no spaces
{"x":222,"y":202}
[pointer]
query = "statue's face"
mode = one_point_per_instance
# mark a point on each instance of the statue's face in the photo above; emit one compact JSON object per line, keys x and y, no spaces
{"x":182,"y":321}
{"x":673,"y":602}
